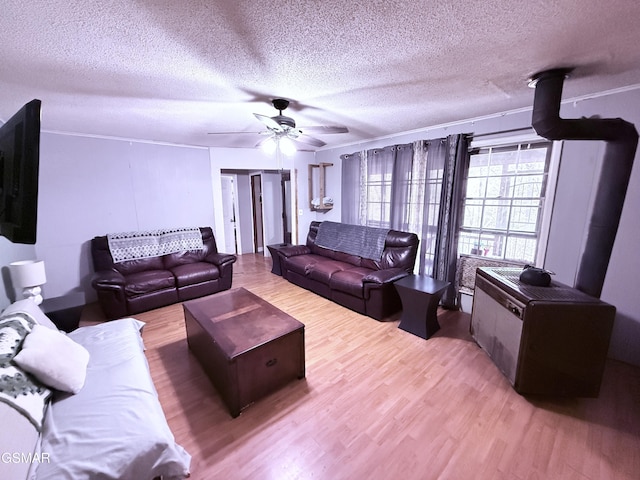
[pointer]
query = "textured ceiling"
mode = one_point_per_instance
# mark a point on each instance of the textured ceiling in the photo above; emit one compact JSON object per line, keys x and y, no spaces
{"x":172,"y":71}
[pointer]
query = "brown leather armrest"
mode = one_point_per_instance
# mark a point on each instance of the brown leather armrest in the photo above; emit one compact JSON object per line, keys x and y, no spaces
{"x":388,"y":275}
{"x":294,"y":250}
{"x":107,"y":279}
{"x":221,"y":259}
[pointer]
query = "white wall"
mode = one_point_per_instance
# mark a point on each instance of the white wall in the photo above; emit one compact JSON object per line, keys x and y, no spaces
{"x":92,"y":186}
{"x":579,"y":172}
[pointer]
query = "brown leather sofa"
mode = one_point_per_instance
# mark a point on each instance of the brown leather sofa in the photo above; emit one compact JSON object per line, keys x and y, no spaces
{"x":358,"y":283}
{"x":136,"y":286}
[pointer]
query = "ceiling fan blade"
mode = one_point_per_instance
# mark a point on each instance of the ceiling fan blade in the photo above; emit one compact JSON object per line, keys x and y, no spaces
{"x":269,"y":122}
{"x":233,"y":133}
{"x":310,"y":141}
{"x":325,"y":129}
{"x":263,"y":141}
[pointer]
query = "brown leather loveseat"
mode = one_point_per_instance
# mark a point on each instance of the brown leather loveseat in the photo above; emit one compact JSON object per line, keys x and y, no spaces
{"x":135,"y":286}
{"x":353,"y":279}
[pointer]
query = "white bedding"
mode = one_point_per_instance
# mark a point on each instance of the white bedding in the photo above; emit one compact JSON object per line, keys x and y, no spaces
{"x":114,"y":428}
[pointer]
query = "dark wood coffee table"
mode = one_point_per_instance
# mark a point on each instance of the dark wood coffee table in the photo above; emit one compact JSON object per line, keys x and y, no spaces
{"x":247,"y":347}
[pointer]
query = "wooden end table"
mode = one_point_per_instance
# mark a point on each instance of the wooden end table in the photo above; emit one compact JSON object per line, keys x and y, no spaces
{"x":420,"y":296}
{"x":275,"y":257}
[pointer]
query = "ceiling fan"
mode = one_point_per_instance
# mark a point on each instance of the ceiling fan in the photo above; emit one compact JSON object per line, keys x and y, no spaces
{"x":281,"y":126}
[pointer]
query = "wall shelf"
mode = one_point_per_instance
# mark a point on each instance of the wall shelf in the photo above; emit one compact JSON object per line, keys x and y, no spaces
{"x":317,"y":190}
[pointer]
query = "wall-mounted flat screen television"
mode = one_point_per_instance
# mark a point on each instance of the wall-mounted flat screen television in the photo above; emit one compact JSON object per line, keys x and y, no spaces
{"x":19,"y":163}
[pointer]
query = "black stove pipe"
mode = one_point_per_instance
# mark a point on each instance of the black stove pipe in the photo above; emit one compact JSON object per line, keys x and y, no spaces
{"x":620,"y":151}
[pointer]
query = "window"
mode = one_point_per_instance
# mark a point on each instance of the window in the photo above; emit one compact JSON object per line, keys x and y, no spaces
{"x":507,"y":191}
{"x":386,"y":179}
{"x":378,"y":198}
{"x":424,"y":209}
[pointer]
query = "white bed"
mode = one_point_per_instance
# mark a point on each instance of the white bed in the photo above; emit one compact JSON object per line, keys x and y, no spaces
{"x":112,"y":428}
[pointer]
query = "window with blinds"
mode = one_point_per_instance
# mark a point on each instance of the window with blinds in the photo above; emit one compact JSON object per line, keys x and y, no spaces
{"x":505,"y":198}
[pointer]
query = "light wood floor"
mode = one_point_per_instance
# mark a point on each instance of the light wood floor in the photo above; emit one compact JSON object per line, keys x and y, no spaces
{"x":380,"y":403}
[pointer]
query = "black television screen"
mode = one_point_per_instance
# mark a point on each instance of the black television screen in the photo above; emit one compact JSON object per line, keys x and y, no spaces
{"x":19,"y":162}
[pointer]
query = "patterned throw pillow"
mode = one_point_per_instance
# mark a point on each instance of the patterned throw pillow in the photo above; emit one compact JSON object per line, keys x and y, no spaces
{"x":19,"y":389}
{"x":13,"y":329}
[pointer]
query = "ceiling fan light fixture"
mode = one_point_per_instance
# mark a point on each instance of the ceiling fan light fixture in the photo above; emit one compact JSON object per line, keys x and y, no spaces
{"x":286,"y":146}
{"x":283,"y":132}
{"x":269,"y":146}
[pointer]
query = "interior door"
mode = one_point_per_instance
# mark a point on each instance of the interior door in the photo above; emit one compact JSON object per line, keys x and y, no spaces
{"x":256,"y":198}
{"x":272,"y":208}
{"x":286,"y":206}
{"x":229,"y":214}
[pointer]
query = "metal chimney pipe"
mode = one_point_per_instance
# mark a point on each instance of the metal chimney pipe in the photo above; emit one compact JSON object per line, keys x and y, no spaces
{"x":620,"y":151}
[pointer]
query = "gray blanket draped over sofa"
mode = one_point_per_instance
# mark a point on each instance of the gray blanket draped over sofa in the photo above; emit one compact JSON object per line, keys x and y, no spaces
{"x":366,"y":242}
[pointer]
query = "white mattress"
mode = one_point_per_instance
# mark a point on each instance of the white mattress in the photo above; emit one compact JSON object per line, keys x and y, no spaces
{"x":114,"y":428}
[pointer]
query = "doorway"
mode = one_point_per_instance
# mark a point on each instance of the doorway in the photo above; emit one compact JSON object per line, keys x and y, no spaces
{"x":256,"y":199}
{"x":229,"y":214}
{"x":264,"y":209}
{"x":285,"y":183}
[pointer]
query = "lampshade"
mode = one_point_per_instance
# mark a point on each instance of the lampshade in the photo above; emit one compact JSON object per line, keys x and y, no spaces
{"x":28,"y":273}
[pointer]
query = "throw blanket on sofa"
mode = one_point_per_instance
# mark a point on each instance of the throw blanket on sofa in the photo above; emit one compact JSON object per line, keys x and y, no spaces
{"x":19,"y":389}
{"x":153,"y":243}
{"x":367,"y":242}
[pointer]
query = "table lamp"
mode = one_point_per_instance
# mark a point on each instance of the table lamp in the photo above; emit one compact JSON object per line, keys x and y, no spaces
{"x":29,"y":275}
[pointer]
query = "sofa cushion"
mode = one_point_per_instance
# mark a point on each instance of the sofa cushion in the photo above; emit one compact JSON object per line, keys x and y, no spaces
{"x":142,"y":265}
{"x":149,"y":281}
{"x":301,"y":264}
{"x":193,"y":273}
{"x":350,"y":281}
{"x":335,"y":255}
{"x":322,"y":271}
{"x":172,"y":260}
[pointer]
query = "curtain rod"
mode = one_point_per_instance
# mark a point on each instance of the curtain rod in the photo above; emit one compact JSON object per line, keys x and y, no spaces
{"x":513,"y":130}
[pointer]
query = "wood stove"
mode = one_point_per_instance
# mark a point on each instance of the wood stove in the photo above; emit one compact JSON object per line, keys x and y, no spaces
{"x":545,"y":340}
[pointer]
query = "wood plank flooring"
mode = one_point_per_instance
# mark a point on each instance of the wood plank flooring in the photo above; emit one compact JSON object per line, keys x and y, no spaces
{"x":380,"y":403}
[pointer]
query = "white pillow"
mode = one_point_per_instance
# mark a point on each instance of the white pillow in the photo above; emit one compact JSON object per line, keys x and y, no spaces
{"x":30,"y":308}
{"x":54,"y":359}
